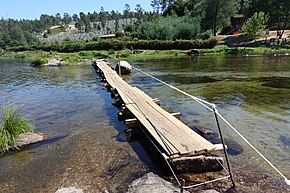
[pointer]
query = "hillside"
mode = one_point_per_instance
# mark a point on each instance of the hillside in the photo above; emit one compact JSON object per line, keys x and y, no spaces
{"x":70,"y":31}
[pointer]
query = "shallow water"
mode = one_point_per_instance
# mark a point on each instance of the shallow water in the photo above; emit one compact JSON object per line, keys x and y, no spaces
{"x":69,"y":102}
{"x":252,"y":93}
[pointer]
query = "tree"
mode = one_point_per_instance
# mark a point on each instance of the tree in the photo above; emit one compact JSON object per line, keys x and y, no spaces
{"x":281,"y":15}
{"x":126,"y":12}
{"x":155,"y":4}
{"x":94,"y":17}
{"x":103,"y":17}
{"x":66,"y":18}
{"x":277,"y":10}
{"x":75,"y":17}
{"x":217,"y":13}
{"x":256,"y":25}
{"x":179,"y":8}
{"x":18,"y":36}
{"x":139,"y":12}
{"x":165,"y":3}
{"x":57,"y":18}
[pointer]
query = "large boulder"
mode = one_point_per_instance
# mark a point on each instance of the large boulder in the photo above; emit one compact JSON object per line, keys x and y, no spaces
{"x":29,"y":138}
{"x":152,"y":183}
{"x":54,"y":62}
{"x":25,"y":139}
{"x":125,"y":67}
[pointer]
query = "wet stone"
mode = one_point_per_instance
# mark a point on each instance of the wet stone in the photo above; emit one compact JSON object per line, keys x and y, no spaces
{"x":152,"y":183}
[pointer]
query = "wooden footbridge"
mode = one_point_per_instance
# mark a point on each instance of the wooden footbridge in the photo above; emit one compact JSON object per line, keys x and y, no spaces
{"x":175,"y":138}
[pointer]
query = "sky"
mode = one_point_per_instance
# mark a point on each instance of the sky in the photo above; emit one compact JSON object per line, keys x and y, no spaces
{"x":32,"y":9}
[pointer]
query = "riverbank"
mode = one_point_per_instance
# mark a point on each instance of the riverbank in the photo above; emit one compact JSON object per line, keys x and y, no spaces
{"x":131,"y":55}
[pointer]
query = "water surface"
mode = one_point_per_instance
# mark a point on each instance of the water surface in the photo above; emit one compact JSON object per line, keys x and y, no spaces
{"x":252,"y":93}
{"x":69,"y":103}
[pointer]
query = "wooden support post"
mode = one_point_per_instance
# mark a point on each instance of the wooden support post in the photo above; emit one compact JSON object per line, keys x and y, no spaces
{"x":114,"y":93}
{"x":131,"y":122}
{"x":197,"y":164}
{"x":120,"y":68}
{"x":156,"y":101}
{"x":176,"y":115}
{"x":118,"y":103}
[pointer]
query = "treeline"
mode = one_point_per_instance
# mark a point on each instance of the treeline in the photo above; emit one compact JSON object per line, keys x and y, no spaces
{"x":215,"y":14}
{"x":25,"y":32}
{"x":169,"y":20}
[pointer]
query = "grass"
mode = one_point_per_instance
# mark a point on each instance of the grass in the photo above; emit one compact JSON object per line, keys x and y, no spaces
{"x":259,"y":51}
{"x":39,"y":61}
{"x":12,"y":125}
{"x":85,"y":56}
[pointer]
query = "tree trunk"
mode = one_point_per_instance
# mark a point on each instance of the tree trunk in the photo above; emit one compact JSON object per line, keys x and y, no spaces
{"x":215,"y":17}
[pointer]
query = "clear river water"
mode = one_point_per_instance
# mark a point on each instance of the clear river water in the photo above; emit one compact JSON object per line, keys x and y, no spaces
{"x":252,"y":93}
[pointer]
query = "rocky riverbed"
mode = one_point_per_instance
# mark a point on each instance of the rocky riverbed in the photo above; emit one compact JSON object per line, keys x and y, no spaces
{"x":94,"y":161}
{"x":90,"y":161}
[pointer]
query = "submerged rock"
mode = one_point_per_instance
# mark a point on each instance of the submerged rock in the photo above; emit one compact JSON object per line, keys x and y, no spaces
{"x":152,"y":183}
{"x":69,"y":190}
{"x":208,"y":191}
{"x":25,"y":139}
{"x":29,"y":138}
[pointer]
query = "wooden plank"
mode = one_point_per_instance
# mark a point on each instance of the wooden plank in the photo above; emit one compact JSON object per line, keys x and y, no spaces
{"x":171,"y":134}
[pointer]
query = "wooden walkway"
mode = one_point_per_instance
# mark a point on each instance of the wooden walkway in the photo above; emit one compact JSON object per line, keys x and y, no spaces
{"x":175,"y":138}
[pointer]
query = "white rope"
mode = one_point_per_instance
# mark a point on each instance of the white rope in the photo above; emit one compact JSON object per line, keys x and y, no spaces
{"x":209,"y":105}
{"x":200,"y":101}
{"x":207,"y":182}
{"x":258,"y":152}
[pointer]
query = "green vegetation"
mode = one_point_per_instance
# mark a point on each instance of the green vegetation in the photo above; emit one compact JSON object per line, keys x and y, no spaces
{"x":127,"y":54}
{"x":179,"y":24}
{"x":256,"y":25}
{"x":11,"y":126}
{"x":39,"y":61}
{"x":119,"y":44}
{"x":171,"y":28}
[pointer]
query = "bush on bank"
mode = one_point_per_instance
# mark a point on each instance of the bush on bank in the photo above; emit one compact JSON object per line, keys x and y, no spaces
{"x":76,"y":46}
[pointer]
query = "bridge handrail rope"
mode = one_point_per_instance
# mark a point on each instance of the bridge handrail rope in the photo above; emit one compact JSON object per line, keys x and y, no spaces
{"x":212,"y":107}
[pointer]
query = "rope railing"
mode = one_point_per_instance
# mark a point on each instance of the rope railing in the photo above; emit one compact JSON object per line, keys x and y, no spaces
{"x":212,"y":107}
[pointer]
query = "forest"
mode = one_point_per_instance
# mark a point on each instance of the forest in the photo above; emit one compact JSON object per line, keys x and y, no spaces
{"x":169,"y":20}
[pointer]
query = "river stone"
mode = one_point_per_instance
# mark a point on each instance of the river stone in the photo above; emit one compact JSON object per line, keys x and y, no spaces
{"x":208,"y":191}
{"x":152,"y":183}
{"x":125,"y":67}
{"x":52,"y":62}
{"x":69,"y":190}
{"x":29,"y":138}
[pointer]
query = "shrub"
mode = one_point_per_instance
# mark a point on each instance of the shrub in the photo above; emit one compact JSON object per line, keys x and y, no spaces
{"x":207,"y":34}
{"x":39,"y":61}
{"x":11,"y":126}
{"x":170,"y":28}
{"x":161,"y":29}
{"x":255,"y":25}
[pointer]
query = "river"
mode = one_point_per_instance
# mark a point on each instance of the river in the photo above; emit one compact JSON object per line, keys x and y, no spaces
{"x":69,"y":105}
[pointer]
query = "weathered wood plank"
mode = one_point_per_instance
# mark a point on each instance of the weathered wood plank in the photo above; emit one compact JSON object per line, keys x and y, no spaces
{"x":172,"y":135}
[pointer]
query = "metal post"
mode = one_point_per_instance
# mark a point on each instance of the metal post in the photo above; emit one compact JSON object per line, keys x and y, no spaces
{"x":182,"y":185}
{"x":119,"y":68}
{"x":224,"y":147}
